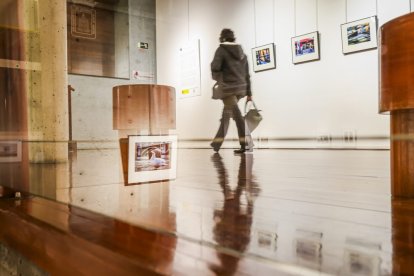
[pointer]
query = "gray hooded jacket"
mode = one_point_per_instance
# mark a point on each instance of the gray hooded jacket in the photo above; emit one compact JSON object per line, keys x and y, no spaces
{"x":231,"y":70}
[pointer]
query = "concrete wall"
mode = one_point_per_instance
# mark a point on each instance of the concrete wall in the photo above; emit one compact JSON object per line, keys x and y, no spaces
{"x":330,"y":97}
{"x":92,"y":100}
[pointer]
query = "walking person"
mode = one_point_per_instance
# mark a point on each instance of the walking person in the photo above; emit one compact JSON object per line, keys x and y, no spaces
{"x":231,"y":71}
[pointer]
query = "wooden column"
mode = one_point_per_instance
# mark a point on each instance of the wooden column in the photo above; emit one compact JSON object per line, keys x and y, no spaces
{"x":14,"y":67}
{"x":48,"y":99}
{"x":397,"y":98}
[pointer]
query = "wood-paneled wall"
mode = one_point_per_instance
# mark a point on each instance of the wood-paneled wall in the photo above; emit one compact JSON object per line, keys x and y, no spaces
{"x":92,"y":54}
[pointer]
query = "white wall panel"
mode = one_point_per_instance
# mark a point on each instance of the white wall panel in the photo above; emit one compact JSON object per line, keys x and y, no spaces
{"x":388,"y":10}
{"x":264,"y":21}
{"x":306,"y":16}
{"x":207,"y":19}
{"x":358,"y":9}
{"x":172,"y":26}
{"x":336,"y":94}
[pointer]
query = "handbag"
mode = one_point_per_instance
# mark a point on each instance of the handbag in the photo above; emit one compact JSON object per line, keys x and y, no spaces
{"x":217,"y":92}
{"x":252,"y":117}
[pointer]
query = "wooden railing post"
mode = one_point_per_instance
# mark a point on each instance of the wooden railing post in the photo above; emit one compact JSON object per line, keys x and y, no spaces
{"x":71,"y":144}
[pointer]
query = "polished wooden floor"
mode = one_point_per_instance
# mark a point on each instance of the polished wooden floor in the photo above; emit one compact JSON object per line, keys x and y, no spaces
{"x":273,"y":212}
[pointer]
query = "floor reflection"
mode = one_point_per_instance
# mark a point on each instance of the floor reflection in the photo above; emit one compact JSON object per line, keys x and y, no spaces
{"x":232,"y":228}
{"x":311,"y":211}
{"x":403,"y":236}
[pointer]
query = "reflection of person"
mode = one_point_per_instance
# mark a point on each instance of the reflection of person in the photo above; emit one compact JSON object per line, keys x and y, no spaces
{"x":233,"y":223}
{"x":231,"y":71}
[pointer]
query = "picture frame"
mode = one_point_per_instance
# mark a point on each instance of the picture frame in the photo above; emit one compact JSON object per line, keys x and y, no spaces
{"x":10,"y":151}
{"x":264,"y":57}
{"x":305,"y":48}
{"x":83,"y":22}
{"x":308,"y":245}
{"x":266,"y":240}
{"x":151,"y":158}
{"x":359,"y":35}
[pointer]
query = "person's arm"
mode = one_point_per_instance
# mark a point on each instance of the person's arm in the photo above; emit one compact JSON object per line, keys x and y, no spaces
{"x":216,"y":66}
{"x":248,"y":88}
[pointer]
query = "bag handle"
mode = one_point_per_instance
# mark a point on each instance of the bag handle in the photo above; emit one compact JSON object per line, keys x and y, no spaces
{"x":254,"y":105}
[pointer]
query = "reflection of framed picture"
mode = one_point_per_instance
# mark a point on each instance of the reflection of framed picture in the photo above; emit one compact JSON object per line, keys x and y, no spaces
{"x":10,"y":151}
{"x":266,"y":240}
{"x":359,"y":263}
{"x":305,"y":47}
{"x":308,"y":249}
{"x":264,"y":57}
{"x":309,"y":245}
{"x":359,"y":35}
{"x":83,"y":22}
{"x":152,"y":158}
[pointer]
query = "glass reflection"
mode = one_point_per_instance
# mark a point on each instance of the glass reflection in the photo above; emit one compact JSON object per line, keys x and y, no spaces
{"x":98,"y":40}
{"x":232,"y":229}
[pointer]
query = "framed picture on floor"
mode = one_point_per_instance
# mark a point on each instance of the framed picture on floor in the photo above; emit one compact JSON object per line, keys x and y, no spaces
{"x":305,"y":48}
{"x":264,"y":57}
{"x":359,"y":35}
{"x":152,"y":158}
{"x":10,"y":151}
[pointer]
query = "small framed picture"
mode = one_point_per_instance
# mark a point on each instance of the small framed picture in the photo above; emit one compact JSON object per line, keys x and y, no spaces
{"x":152,"y":158}
{"x":264,"y":57}
{"x":10,"y":151}
{"x":305,"y":48}
{"x":359,"y":35}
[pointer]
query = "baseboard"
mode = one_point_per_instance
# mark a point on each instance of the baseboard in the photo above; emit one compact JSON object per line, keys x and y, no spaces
{"x":372,"y":143}
{"x":368,"y":142}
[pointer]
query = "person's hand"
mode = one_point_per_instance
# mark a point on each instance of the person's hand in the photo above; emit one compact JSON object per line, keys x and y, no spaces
{"x":249,"y":98}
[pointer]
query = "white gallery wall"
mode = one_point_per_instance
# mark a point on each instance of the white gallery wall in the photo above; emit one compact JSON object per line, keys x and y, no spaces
{"x":337,"y":94}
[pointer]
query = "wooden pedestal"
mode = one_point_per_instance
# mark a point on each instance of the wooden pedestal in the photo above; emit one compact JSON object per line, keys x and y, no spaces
{"x":142,"y":108}
{"x":402,"y":153}
{"x":397,"y":97}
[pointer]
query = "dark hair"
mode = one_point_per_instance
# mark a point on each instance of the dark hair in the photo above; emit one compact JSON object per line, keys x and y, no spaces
{"x":227,"y":35}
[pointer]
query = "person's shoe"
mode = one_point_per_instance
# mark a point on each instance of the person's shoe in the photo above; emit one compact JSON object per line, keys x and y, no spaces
{"x":242,"y":150}
{"x":215,"y":148}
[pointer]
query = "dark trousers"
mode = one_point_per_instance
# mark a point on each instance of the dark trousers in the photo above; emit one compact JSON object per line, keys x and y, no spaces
{"x":231,"y":110}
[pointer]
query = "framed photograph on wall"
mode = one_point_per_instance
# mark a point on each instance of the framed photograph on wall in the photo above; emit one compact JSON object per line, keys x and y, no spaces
{"x":359,"y":35}
{"x":10,"y":151}
{"x":305,"y":47}
{"x":264,"y":57}
{"x":152,"y":158}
